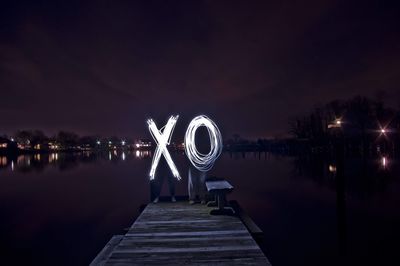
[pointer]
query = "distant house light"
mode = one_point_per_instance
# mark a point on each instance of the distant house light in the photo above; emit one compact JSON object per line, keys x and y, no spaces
{"x":337,"y":123}
{"x":142,"y":143}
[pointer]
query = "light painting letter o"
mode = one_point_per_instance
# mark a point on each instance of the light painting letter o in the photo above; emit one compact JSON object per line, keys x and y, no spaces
{"x":203,"y":162}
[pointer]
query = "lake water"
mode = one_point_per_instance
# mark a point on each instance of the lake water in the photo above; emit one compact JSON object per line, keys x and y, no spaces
{"x":61,"y":209}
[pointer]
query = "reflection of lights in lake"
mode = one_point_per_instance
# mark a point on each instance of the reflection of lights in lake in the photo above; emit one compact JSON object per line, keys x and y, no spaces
{"x":123,"y":156}
{"x":12,"y":165}
{"x":142,"y":154}
{"x":53,"y":157}
{"x":3,"y":161}
{"x":36,"y":157}
{"x":115,"y":153}
{"x":109,"y":156}
{"x":332,"y":168}
{"x":384,"y":162}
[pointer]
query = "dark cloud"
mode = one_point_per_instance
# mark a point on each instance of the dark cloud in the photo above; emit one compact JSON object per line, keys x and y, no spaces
{"x":105,"y":66}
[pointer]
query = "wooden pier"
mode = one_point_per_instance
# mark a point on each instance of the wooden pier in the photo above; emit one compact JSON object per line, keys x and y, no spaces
{"x":181,"y":234}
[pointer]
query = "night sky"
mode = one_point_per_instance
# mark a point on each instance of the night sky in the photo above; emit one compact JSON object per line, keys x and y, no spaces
{"x":106,"y":66}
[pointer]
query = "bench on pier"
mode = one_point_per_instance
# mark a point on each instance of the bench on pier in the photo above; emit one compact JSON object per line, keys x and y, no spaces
{"x":219,"y":188}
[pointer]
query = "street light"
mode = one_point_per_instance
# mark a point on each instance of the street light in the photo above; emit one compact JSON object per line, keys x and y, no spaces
{"x":337,"y":123}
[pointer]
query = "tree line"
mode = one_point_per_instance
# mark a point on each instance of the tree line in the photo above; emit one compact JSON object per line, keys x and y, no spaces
{"x":364,"y":125}
{"x":64,"y":140}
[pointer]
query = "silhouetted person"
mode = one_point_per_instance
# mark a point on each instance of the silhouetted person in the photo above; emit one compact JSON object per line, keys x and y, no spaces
{"x":162,"y":172}
{"x":197,"y":178}
{"x":196,"y":185}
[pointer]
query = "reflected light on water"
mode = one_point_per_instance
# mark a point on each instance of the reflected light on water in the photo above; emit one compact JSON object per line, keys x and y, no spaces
{"x":24,"y":160}
{"x":384,"y":162}
{"x":36,"y":157}
{"x":332,"y":168}
{"x":123,"y":156}
{"x":3,"y":161}
{"x":53,"y":157}
{"x":142,"y":154}
{"x":12,"y":165}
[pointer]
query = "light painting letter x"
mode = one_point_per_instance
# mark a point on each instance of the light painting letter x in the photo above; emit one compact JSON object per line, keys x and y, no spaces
{"x":163,"y":138}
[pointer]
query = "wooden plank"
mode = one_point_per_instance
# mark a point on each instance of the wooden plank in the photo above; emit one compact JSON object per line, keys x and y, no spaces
{"x":218,"y":185}
{"x":181,"y":234}
{"x":254,"y":230}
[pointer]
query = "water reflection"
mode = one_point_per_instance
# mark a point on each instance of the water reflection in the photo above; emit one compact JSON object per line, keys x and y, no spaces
{"x":366,"y":177}
{"x":340,"y":206}
{"x":53,"y":158}
{"x":332,"y":168}
{"x":384,"y":162}
{"x":143,"y":154}
{"x":363,"y":178}
{"x":3,"y":161}
{"x":65,"y":161}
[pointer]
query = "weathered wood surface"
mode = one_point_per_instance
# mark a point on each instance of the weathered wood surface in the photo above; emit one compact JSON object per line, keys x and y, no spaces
{"x":216,"y":186}
{"x":182,"y":234}
{"x":254,"y":230}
